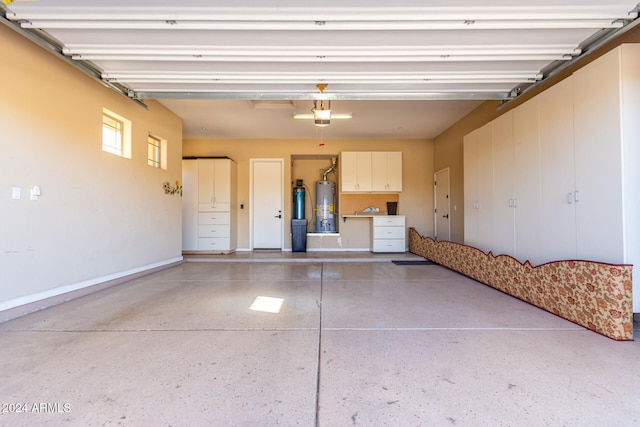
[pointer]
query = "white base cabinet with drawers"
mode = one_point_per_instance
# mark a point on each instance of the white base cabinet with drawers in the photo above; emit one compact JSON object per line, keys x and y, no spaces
{"x":208,"y":205}
{"x":388,"y":233}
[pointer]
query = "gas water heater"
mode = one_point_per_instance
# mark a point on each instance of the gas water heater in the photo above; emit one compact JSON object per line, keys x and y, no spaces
{"x":326,"y":203}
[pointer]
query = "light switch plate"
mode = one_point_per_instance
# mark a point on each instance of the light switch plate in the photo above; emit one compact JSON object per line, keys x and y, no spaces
{"x":16,"y":194}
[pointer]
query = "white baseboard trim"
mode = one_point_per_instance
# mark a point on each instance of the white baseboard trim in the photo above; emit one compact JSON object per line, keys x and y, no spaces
{"x":21,"y":306}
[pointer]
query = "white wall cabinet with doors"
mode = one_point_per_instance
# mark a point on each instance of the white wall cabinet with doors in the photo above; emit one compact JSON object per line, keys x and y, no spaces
{"x":366,"y":171}
{"x":355,"y":171}
{"x":208,"y":205}
{"x":386,"y":171}
{"x":575,"y":174}
{"x":214,"y":189}
{"x":509,"y":181}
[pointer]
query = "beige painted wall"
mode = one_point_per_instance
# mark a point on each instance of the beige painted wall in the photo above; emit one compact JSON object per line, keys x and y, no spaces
{"x":448,"y":153}
{"x":99,"y":215}
{"x":416,"y":200}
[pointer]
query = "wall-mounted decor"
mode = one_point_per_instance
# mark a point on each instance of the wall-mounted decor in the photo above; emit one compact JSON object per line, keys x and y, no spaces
{"x":169,"y":189}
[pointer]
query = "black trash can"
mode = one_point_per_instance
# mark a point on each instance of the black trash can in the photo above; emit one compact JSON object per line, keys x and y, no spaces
{"x":392,"y":208}
{"x":299,"y":235}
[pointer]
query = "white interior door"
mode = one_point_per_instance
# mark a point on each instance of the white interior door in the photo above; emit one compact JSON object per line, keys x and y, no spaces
{"x":267,"y":203}
{"x":443,"y":220}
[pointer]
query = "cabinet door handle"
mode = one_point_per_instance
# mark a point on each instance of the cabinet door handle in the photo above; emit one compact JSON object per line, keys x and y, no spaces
{"x":577,"y":196}
{"x":569,"y":198}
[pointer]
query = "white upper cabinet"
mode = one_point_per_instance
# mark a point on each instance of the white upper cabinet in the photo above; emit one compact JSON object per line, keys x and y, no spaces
{"x":366,"y":172}
{"x":355,"y":171}
{"x":214,"y":192}
{"x":386,"y":171}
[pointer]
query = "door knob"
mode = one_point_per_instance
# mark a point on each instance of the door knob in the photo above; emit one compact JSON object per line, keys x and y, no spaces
{"x":279,"y":216}
{"x":445,"y":216}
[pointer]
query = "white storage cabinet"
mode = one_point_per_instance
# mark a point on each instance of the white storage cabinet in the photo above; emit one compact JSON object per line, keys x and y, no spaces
{"x":209,"y":206}
{"x":371,"y":172}
{"x":388,"y":233}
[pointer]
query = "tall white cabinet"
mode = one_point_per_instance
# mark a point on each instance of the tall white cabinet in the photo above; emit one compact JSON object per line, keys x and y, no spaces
{"x":478,"y":188}
{"x":565,"y":179}
{"x":209,"y":205}
{"x":557,"y":171}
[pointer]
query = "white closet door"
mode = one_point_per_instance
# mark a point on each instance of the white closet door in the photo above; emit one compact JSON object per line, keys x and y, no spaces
{"x":394,"y":170}
{"x":599,"y":216}
{"x":364,"y":170}
{"x":189,"y":205}
{"x":222,"y":181}
{"x":485,"y":187}
{"x":526,"y":131}
{"x":503,"y":194}
{"x":557,"y":173}
{"x":205,"y":182}
{"x":348,"y":171}
{"x":470,"y":166}
{"x":379,"y":167}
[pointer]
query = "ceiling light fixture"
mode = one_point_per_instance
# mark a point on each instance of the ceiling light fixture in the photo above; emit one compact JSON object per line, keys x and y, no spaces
{"x":321,"y":111}
{"x":322,"y":115}
{"x":305,"y":116}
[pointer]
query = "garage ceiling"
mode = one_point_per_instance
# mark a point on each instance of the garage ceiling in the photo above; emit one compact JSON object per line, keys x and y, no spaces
{"x":241,"y":68}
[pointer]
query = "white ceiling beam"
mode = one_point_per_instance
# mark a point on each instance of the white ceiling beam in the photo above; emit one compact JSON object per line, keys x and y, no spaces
{"x":300,"y":96}
{"x":22,"y":11}
{"x":332,"y":81}
{"x":387,"y":25}
{"x":348,"y":51}
{"x":321,"y":58}
{"x":315,"y":76}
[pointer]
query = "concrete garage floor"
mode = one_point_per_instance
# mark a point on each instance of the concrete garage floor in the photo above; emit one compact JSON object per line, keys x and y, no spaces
{"x":358,"y":341}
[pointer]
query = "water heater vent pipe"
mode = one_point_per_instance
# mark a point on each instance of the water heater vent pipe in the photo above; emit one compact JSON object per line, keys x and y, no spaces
{"x":331,"y":169}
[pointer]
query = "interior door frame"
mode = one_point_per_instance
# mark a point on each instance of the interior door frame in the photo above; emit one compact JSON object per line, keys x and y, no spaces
{"x":435,"y":201}
{"x":252,"y":162}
